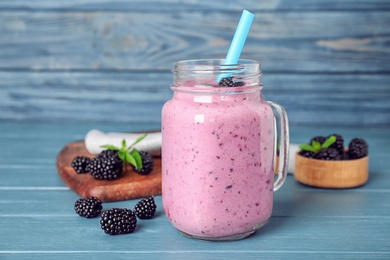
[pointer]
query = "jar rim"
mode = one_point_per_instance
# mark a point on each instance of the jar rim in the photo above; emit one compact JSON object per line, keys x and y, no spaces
{"x":204,"y":75}
{"x":213,"y":65}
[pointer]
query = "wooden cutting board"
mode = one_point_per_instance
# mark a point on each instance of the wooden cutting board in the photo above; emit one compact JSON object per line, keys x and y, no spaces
{"x":130,"y":185}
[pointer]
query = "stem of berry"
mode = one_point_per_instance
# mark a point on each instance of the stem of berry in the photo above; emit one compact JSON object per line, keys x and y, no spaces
{"x":125,"y":165}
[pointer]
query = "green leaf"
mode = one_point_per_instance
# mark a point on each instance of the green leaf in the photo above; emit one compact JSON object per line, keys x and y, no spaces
{"x":316,"y":145}
{"x":139,"y":139}
{"x":110,"y":147}
{"x":131,"y":159}
{"x":135,"y":154}
{"x":328,"y":142}
{"x":307,"y":147}
{"x":124,"y":144}
{"x":134,"y":158}
{"x":122,"y":156}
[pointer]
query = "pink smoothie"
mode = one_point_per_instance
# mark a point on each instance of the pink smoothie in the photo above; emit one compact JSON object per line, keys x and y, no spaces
{"x":217,"y":163}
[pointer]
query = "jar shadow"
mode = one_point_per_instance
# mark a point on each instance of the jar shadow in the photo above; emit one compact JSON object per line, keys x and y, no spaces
{"x":287,"y":207}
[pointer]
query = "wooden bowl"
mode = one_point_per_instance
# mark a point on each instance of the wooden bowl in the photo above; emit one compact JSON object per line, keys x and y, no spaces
{"x":331,"y":174}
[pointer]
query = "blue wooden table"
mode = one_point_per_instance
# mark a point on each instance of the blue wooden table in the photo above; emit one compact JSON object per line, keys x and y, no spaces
{"x":37,"y":220}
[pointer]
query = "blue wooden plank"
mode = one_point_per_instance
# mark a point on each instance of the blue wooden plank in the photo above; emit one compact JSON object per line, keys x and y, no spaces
{"x":286,"y":41}
{"x":281,"y":234}
{"x":249,"y":254}
{"x":82,"y":97}
{"x":293,"y":200}
{"x":32,"y":177}
{"x":169,"y":5}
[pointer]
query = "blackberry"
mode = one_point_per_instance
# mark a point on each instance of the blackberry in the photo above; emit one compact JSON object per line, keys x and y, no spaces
{"x":147,"y":163}
{"x":118,"y":221}
{"x":228,"y":82}
{"x":339,"y":144}
{"x":106,"y":168}
{"x":328,"y":154}
{"x":358,"y":148}
{"x":89,"y":207}
{"x":145,"y":208}
{"x":81,"y":164}
{"x":108,"y":154}
{"x":307,"y":154}
{"x":320,"y":139}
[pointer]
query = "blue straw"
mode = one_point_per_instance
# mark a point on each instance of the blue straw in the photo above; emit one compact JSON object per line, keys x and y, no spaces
{"x":239,"y":39}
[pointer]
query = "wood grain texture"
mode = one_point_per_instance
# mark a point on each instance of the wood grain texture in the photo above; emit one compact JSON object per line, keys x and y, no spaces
{"x":326,"y":62}
{"x":331,"y":174}
{"x":83,"y":64}
{"x":169,"y":5}
{"x":135,"y":40}
{"x":38,"y":221}
{"x":310,"y":99}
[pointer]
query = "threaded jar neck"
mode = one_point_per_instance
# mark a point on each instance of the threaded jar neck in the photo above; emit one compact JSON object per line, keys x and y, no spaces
{"x":212,"y":75}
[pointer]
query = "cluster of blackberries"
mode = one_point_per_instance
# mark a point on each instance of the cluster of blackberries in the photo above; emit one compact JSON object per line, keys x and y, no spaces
{"x":116,"y":221}
{"x":357,"y":148}
{"x":108,"y":166}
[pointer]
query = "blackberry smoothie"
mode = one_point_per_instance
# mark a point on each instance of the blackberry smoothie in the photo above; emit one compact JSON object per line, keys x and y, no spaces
{"x":217,"y":159}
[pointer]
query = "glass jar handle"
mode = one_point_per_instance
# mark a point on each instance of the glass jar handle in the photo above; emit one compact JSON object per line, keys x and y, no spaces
{"x":282,"y":143}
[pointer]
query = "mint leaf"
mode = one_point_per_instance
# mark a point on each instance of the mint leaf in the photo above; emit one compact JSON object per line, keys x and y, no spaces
{"x":124,"y":145}
{"x":316,"y":145}
{"x":135,"y":154}
{"x":307,"y":147}
{"x":328,"y":142}
{"x":128,"y":154}
{"x":139,"y":139}
{"x":122,"y":155}
{"x":131,"y":160}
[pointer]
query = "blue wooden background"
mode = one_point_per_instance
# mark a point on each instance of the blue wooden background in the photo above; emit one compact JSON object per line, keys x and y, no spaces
{"x":67,"y":66}
{"x":108,"y":61}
